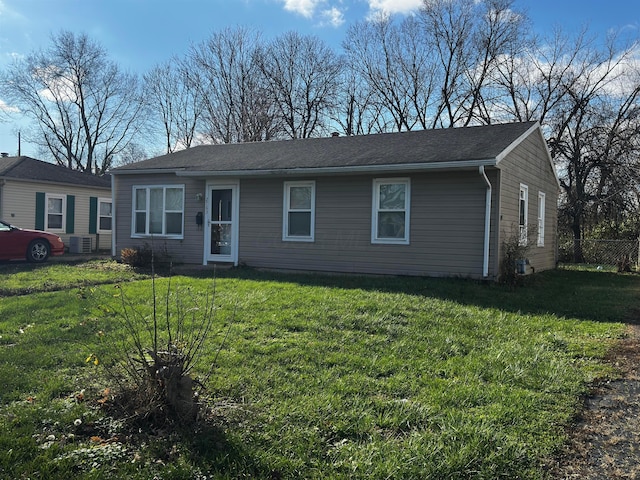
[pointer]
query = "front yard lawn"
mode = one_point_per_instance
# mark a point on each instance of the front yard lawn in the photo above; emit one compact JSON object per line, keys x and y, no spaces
{"x":319,"y":377}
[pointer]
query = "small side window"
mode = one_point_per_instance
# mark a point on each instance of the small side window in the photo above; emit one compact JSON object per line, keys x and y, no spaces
{"x":523,"y":214}
{"x":390,"y":216}
{"x":541,"y":218}
{"x":104,"y":215}
{"x":55,"y":217}
{"x":299,"y":211}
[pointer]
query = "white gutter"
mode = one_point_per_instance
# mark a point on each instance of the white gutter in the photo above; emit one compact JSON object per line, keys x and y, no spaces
{"x":487,"y":224}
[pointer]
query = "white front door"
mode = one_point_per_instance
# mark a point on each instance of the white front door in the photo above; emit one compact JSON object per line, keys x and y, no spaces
{"x":221,"y":234}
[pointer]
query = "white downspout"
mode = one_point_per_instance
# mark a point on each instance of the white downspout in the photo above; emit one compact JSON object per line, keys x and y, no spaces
{"x":487,"y":224}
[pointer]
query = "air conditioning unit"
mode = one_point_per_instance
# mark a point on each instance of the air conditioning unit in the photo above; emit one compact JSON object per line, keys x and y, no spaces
{"x":80,"y":245}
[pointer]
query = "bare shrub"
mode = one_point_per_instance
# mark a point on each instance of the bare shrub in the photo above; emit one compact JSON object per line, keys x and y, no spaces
{"x":514,"y":250}
{"x":151,"y":356}
{"x":137,"y":257}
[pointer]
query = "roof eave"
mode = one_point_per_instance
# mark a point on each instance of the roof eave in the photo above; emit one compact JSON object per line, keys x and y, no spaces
{"x":386,"y":168}
{"x":5,"y":178}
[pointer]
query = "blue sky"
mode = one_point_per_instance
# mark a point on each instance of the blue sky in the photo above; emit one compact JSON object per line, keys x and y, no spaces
{"x":141,"y":33}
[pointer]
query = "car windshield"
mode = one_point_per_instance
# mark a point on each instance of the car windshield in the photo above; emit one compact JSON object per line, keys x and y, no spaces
{"x":6,"y":226}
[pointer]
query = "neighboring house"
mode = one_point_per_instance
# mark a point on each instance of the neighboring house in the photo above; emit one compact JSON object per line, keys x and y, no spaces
{"x":44,"y":196}
{"x":428,"y":203}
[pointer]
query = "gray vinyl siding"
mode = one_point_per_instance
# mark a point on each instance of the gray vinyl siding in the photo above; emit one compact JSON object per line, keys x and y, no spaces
{"x":528,"y":164}
{"x":187,"y":250}
{"x":446,"y":227}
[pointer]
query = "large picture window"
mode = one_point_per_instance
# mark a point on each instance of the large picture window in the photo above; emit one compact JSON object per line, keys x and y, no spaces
{"x":299,"y":211}
{"x":390,"y":217}
{"x":55,"y":212}
{"x":158,"y":210}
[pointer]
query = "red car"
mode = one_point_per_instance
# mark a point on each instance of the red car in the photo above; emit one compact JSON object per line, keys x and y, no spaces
{"x":34,"y":245}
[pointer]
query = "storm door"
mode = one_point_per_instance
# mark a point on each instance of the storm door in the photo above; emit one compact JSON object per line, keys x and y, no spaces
{"x":222,"y":232}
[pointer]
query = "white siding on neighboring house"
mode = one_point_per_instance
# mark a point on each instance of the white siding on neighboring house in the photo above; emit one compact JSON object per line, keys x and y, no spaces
{"x":21,"y":208}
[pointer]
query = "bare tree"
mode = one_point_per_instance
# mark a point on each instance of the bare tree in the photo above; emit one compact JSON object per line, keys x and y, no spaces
{"x":132,"y":153}
{"x":500,"y":32}
{"x":533,"y":81}
{"x":396,"y":64}
{"x":593,"y":135}
{"x":449,"y":25}
{"x":356,"y":112}
{"x":303,"y":74}
{"x":471,"y":39}
{"x":173,"y":94}
{"x":237,"y":104}
{"x":84,"y":109}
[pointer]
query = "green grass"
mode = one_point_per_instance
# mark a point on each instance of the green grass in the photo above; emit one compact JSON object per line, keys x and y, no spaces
{"x":20,"y":278}
{"x":322,"y":376}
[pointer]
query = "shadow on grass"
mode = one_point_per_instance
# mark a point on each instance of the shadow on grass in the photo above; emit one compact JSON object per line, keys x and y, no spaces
{"x":211,"y":450}
{"x":585,"y":295}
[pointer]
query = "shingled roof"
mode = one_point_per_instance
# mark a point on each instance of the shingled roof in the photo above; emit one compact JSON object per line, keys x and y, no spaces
{"x":30,"y":169}
{"x":440,"y":148}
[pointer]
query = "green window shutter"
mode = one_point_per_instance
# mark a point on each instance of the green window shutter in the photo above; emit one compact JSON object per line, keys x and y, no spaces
{"x":71,"y":210}
{"x":40,"y":208}
{"x":93,"y":215}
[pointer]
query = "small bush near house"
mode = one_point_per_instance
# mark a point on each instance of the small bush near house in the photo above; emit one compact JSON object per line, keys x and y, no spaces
{"x":514,"y":251}
{"x":138,"y":257}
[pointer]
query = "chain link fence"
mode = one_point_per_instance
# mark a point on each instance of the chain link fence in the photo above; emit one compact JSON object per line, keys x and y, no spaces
{"x":620,"y":254}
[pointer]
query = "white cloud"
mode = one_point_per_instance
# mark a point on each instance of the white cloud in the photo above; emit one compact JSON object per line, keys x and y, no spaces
{"x":394,"y":6}
{"x":306,"y":8}
{"x":332,"y":16}
{"x":327,"y":15}
{"x":7,"y":108}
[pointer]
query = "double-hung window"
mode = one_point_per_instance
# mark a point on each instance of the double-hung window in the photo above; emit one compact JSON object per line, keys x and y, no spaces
{"x":158,"y":210}
{"x":104,"y":215}
{"x":541,"y":216}
{"x":299,"y":211}
{"x":55,"y":212}
{"x":390,"y":215}
{"x":523,"y":214}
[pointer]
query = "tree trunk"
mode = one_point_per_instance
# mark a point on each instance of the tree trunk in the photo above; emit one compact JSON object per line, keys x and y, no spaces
{"x":578,"y":255}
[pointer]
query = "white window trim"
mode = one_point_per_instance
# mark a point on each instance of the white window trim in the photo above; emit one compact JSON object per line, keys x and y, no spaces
{"x":523,"y":231}
{"x":98,"y":229}
{"x":286,"y":210}
{"x":148,"y":188}
{"x":63,"y":227}
{"x":374,"y":211}
{"x":541,"y":218}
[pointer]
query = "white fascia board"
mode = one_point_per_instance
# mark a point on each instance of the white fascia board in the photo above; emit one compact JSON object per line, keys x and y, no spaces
{"x":516,"y":142}
{"x":520,"y":139}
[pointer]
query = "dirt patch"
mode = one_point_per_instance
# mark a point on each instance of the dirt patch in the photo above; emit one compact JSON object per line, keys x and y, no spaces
{"x":605,"y":441}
